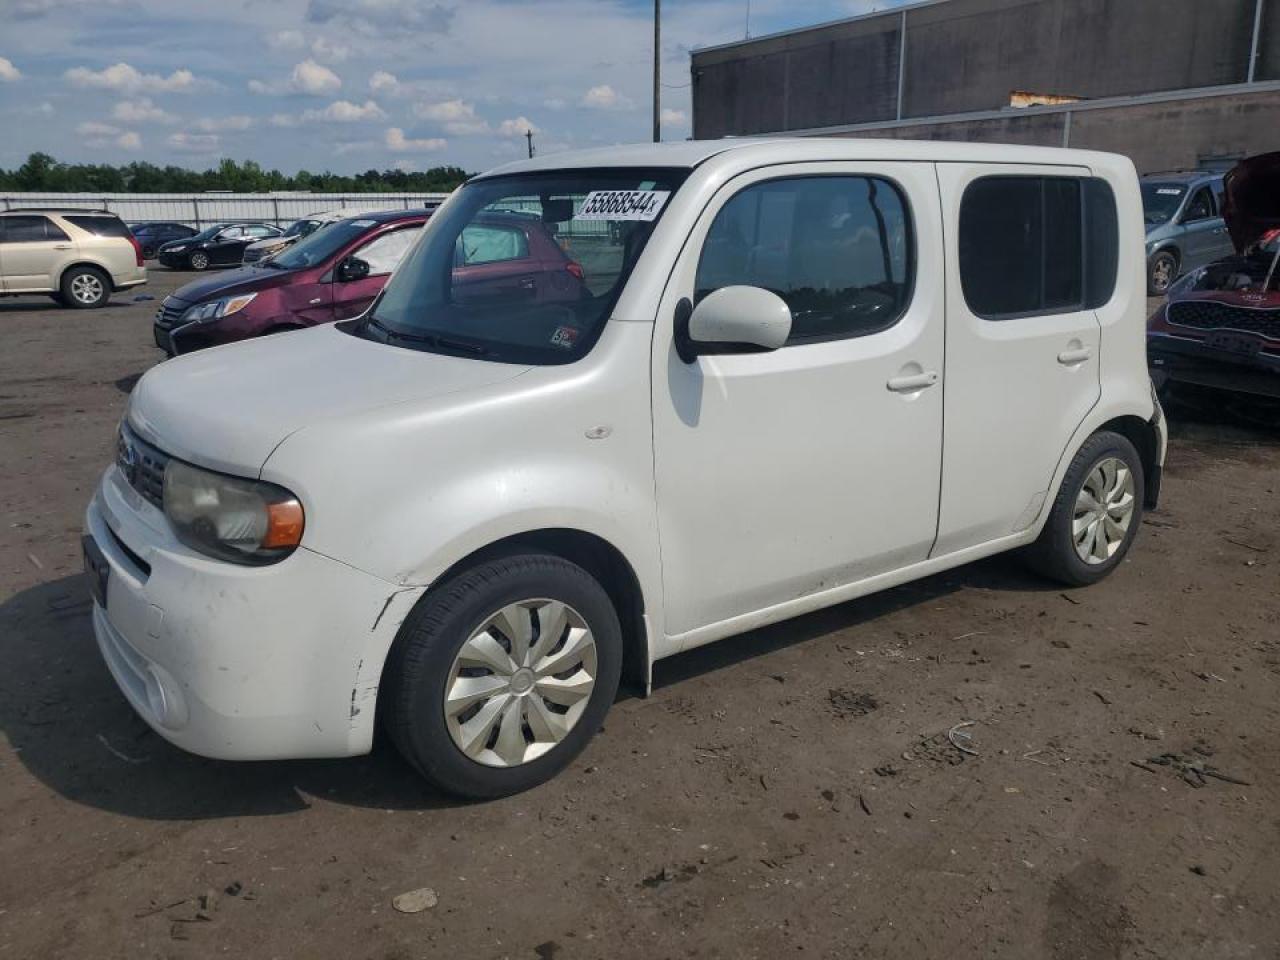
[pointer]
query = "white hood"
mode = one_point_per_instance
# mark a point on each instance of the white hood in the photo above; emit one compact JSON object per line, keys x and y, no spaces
{"x":229,"y":407}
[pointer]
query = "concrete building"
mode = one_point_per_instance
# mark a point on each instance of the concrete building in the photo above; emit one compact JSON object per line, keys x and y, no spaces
{"x":1176,"y":84}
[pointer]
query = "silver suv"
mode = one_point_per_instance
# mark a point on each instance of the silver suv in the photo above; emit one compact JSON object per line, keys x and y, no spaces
{"x":78,"y":257}
{"x":1185,"y":229}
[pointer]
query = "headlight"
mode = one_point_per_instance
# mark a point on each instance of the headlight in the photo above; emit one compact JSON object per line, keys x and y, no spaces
{"x":178,"y":249}
{"x":230,"y":518}
{"x":216,"y":309}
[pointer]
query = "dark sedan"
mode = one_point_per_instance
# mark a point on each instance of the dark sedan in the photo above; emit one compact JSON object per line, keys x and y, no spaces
{"x":153,"y":235}
{"x":221,"y":245}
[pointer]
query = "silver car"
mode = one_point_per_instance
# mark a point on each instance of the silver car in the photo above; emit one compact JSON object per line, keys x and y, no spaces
{"x":1185,"y":229}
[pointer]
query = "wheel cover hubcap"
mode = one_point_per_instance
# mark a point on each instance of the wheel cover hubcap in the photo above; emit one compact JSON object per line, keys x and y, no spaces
{"x":520,"y":682}
{"x":86,"y":288}
{"x":1104,"y":511}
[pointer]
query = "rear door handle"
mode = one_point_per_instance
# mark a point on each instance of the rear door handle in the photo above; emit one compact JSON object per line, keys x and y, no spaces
{"x":62,"y":246}
{"x":1077,"y":355}
{"x":912,"y":382}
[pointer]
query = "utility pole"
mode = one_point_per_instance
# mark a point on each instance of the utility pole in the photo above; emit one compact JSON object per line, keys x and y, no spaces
{"x":657,"y":71}
{"x":528,"y":135}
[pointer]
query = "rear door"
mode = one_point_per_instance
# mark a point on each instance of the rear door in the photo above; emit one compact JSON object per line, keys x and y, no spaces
{"x":1022,"y":343}
{"x":34,"y":251}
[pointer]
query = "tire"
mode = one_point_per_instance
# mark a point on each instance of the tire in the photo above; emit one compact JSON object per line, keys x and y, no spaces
{"x":1161,"y":272}
{"x":198,"y":260}
{"x":481,"y":604}
{"x":148,"y":253}
{"x":85,"y":288}
{"x":1056,"y":554}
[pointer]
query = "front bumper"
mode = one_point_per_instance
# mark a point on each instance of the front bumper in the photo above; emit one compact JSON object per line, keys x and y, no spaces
{"x":230,"y":662}
{"x":1185,"y":360}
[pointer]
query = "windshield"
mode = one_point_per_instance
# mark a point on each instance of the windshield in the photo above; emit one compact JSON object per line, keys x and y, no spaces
{"x":208,"y":233}
{"x":523,"y":268}
{"x":1160,"y":201}
{"x":320,"y":245}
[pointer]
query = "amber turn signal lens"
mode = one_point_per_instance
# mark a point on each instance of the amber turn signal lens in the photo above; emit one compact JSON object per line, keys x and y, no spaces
{"x":284,"y":524}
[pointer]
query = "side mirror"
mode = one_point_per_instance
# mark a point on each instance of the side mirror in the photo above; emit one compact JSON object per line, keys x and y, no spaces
{"x":732,"y":320}
{"x":353,"y":268}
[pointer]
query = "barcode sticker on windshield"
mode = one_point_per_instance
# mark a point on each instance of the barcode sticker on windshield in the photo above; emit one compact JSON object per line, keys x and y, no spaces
{"x":622,"y":205}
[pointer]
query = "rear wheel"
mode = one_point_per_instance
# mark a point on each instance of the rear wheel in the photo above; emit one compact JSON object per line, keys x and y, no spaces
{"x":199,"y":260}
{"x":84,"y":288}
{"x":1096,"y":514}
{"x":501,"y":675}
{"x":1161,"y":273}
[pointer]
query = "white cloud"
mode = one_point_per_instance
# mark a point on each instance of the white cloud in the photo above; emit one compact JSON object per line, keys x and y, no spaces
{"x":398,"y":142}
{"x":673,"y":117}
{"x":555,"y":103}
{"x":380,"y":17}
{"x":141,"y":110}
{"x":194,"y":142}
{"x":604,"y":97}
{"x":99,"y":135}
{"x":127,"y":79}
{"x":308,"y":77}
{"x":287,"y":40}
{"x":457,"y":116}
{"x":329,"y":50}
{"x":344,"y":111}
{"x":517,"y":127}
{"x":8,"y":72}
{"x":214,"y":124}
{"x":383,"y":82}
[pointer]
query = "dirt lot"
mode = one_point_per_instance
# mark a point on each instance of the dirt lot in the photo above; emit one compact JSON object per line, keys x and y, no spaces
{"x":787,"y":793}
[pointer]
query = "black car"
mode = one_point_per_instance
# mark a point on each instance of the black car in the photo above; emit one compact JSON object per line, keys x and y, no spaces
{"x":152,"y":235}
{"x":223,"y":244}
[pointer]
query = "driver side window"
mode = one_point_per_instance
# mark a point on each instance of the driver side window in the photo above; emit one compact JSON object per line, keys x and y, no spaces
{"x":1200,"y":206}
{"x":230,"y":233}
{"x":837,"y":250}
{"x":384,"y":253}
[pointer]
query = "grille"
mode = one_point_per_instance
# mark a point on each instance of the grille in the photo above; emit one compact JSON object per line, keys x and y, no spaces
{"x":142,"y":464}
{"x":1211,"y":315}
{"x":170,"y":312}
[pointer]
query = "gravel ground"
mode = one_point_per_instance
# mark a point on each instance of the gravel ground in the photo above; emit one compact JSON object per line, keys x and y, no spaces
{"x":791,"y":792}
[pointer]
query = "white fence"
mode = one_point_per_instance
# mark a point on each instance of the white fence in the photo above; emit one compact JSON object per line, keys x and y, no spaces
{"x":202,"y":209}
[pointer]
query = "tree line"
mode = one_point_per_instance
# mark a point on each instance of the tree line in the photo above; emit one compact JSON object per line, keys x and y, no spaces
{"x":44,"y":173}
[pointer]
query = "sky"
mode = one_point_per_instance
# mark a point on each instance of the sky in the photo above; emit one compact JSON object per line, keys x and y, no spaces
{"x":346,"y":85}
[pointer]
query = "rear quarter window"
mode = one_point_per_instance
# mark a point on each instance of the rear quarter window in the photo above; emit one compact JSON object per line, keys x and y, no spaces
{"x":1032,"y":245}
{"x":100,"y":226}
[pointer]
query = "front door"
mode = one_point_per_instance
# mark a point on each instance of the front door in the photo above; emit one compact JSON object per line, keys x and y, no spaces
{"x":1022,"y":340}
{"x":785,"y":474}
{"x":383,"y":254}
{"x":1204,"y":231}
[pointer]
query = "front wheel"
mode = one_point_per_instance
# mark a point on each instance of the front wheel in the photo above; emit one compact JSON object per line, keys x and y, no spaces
{"x":199,"y":261}
{"x":501,"y":675}
{"x":1161,"y":273}
{"x":1096,"y":514}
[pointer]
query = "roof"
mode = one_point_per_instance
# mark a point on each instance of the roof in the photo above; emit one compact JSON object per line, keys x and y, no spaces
{"x":1185,"y":176}
{"x":691,"y":153}
{"x":386,"y":216}
{"x":85,"y":211}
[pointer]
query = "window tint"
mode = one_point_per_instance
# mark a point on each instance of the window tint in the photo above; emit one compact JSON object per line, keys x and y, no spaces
{"x":100,"y":226}
{"x":479,"y":244}
{"x":385,"y":253}
{"x":29,"y":229}
{"x":1034,"y":245}
{"x":837,"y":250}
{"x":1200,"y":206}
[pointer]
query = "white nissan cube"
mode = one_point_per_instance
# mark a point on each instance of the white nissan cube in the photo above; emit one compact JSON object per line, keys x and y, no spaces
{"x":614,"y":405}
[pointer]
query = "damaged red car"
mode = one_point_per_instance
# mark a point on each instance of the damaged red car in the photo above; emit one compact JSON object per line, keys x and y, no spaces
{"x":1220,"y":327}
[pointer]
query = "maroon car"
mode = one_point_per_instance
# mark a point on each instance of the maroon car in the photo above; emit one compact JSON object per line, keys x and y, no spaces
{"x":336,"y":272}
{"x":1221,"y":325}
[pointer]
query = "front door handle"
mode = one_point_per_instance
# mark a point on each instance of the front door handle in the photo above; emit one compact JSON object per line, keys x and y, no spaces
{"x":911,"y":382}
{"x":62,"y":246}
{"x":1075,"y":355}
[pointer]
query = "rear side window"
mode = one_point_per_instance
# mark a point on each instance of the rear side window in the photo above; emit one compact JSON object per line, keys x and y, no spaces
{"x":838,"y":250}
{"x":479,"y":244}
{"x":29,"y":229}
{"x":1037,"y":245}
{"x":100,"y":226}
